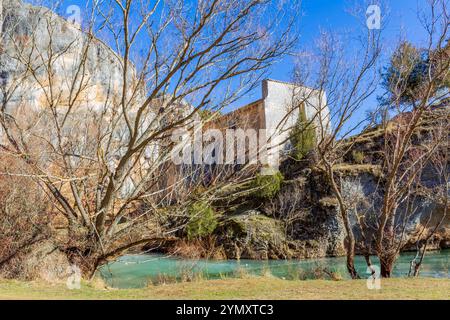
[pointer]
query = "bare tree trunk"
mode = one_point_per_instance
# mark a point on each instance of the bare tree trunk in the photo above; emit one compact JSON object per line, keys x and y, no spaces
{"x":386,"y":266}
{"x":419,"y":263}
{"x":99,"y":145}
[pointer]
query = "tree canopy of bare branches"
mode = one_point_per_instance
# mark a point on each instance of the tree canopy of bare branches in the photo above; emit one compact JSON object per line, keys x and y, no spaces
{"x":92,"y":124}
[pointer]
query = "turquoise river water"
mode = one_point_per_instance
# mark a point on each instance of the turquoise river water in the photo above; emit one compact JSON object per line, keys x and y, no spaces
{"x":135,"y":271}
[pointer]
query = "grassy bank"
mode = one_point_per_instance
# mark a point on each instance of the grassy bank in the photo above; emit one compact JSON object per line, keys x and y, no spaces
{"x":246,"y":288}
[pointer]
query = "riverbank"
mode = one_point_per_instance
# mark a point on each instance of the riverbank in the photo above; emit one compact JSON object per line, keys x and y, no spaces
{"x":244,"y":288}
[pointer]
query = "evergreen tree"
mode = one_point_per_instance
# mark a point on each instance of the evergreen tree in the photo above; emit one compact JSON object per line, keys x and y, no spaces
{"x":407,"y":73}
{"x":303,"y":136}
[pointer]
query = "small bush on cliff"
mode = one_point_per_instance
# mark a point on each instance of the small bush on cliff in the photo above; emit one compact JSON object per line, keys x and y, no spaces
{"x":358,"y":156}
{"x":303,"y":136}
{"x":203,"y":220}
{"x":267,"y":186}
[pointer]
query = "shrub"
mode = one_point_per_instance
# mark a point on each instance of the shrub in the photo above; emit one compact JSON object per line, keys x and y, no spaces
{"x":203,"y":220}
{"x":24,"y":223}
{"x":358,"y":156}
{"x":303,"y":136}
{"x":268,"y":185}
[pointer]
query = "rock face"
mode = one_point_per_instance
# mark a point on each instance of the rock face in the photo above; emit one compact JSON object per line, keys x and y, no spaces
{"x":34,"y":37}
{"x":252,"y":235}
{"x":303,"y":220}
{"x":50,"y":65}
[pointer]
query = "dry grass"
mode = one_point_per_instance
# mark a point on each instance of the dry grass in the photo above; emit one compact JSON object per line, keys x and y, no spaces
{"x":245,"y":288}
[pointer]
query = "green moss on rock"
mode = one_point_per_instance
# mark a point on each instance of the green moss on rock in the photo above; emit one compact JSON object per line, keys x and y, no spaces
{"x":267,"y":186}
{"x":252,"y":235}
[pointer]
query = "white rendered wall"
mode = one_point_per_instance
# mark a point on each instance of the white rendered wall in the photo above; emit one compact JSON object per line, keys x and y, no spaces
{"x":281,"y":101}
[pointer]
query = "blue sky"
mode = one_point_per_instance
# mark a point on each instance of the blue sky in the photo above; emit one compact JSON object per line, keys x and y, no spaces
{"x":398,"y":20}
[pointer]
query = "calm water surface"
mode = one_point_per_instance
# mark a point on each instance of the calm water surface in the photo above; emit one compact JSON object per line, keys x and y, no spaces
{"x":135,"y":271}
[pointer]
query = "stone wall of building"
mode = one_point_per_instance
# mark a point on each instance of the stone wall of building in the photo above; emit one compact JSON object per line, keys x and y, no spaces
{"x":282,"y":101}
{"x":277,"y":114}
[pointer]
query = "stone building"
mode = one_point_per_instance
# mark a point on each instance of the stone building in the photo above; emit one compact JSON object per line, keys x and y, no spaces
{"x":274,"y":116}
{"x":32,"y":36}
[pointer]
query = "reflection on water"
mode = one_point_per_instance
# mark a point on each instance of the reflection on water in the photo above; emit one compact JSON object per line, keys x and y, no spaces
{"x":134,"y":271}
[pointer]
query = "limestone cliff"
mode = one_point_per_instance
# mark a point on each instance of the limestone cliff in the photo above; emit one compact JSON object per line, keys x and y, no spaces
{"x":38,"y":47}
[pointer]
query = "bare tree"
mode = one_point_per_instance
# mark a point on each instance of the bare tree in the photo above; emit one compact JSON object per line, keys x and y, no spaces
{"x":403,"y":157}
{"x":438,"y":194}
{"x":93,"y":126}
{"x":346,"y":88}
{"x":288,"y":207}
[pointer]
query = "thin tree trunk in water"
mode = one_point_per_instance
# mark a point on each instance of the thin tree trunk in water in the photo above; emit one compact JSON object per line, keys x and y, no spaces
{"x":351,"y":258}
{"x":368,"y":261}
{"x":419,"y":263}
{"x":351,"y":266}
{"x":417,"y":270}
{"x":413,"y":264}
